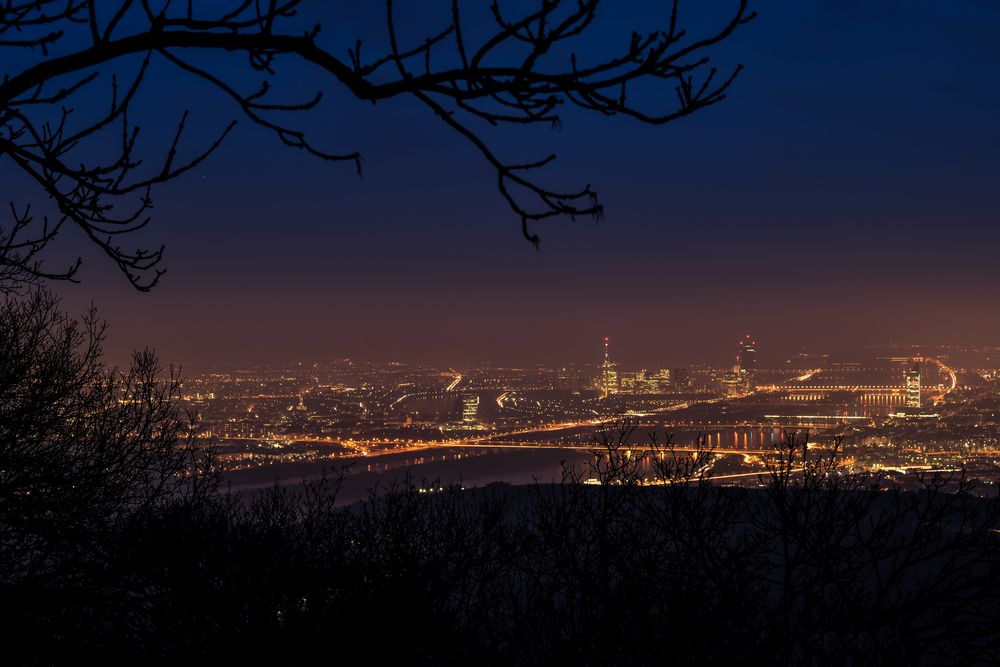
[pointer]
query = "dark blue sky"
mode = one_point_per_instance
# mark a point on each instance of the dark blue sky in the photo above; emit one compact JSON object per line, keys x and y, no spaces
{"x":844,"y":194}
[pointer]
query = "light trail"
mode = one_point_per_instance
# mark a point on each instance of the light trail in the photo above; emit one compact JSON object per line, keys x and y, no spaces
{"x":870,"y":389}
{"x":400,"y":400}
{"x":458,"y":378}
{"x":807,"y":375}
{"x":762,"y":473}
{"x":386,"y":447}
{"x":949,"y":371}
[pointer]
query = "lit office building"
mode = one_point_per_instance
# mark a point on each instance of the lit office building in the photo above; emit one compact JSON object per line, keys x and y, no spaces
{"x":470,"y":406}
{"x":913,"y":387}
{"x":746,"y":355}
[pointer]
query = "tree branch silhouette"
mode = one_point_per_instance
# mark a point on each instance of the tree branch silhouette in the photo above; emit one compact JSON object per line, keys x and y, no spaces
{"x":526,"y":71}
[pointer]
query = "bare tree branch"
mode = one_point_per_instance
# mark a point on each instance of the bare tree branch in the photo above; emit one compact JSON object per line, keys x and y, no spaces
{"x":526,"y":72}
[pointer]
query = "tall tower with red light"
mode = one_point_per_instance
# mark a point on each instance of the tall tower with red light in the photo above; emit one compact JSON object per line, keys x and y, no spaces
{"x":746,"y":355}
{"x":608,"y":378}
{"x":746,"y":359}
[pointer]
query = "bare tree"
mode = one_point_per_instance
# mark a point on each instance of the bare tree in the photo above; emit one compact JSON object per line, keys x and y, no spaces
{"x":527,"y":68}
{"x":812,"y":567}
{"x":84,"y":451}
{"x":859,"y":571}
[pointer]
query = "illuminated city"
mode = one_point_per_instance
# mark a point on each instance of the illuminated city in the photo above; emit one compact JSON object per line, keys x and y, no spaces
{"x":499,"y":332}
{"x":900,"y":412}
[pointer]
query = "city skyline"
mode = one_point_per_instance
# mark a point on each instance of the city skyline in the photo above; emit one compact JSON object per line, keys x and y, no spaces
{"x":895,"y":412}
{"x":474,"y":332}
{"x":621,"y":357}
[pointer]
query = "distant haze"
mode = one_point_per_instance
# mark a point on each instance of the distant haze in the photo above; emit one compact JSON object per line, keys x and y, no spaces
{"x":844,"y":194}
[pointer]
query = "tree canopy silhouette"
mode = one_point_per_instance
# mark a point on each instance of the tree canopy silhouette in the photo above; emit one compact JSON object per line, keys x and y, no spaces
{"x":524,"y":70}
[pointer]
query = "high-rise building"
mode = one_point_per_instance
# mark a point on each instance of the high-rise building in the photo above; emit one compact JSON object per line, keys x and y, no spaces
{"x":746,"y":362}
{"x":681,"y":378}
{"x":607,"y":379}
{"x":470,"y":406}
{"x":913,"y":387}
{"x":662,"y":379}
{"x":746,"y":355}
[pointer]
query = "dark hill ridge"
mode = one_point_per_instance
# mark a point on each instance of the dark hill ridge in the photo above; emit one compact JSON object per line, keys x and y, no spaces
{"x":816,"y":570}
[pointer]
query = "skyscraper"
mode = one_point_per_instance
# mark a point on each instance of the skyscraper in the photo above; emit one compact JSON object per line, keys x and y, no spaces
{"x":746,"y":363}
{"x":470,"y":406}
{"x":662,"y":380}
{"x":913,"y":387}
{"x":746,"y":355}
{"x":608,"y":377}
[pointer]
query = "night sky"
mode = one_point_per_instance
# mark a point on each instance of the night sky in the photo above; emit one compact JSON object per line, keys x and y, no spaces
{"x":845,"y":194}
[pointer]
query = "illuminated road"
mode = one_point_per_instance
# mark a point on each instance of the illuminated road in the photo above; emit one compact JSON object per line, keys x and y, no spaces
{"x":639,"y":446}
{"x":387,"y":446}
{"x":374,"y":448}
{"x":502,"y":439}
{"x":457,"y":379}
{"x":949,"y":371}
{"x":935,"y":393}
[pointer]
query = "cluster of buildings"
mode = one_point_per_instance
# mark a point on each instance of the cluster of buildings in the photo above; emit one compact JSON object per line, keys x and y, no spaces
{"x":610,"y":380}
{"x":910,"y":405}
{"x":740,"y":380}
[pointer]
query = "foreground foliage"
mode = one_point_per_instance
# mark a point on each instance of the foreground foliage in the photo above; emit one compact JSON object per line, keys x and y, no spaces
{"x":119,"y":546}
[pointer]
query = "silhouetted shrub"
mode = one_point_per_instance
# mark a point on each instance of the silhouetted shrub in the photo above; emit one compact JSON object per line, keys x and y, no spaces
{"x":119,"y":546}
